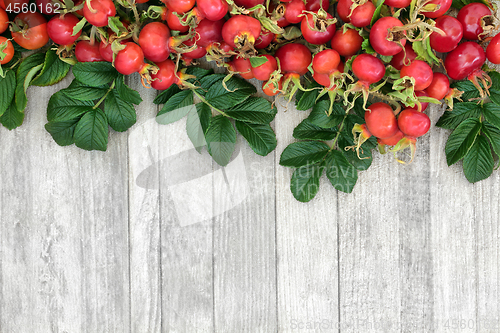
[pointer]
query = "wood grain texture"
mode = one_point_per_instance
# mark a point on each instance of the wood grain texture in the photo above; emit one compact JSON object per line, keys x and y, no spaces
{"x":144,"y":220}
{"x":152,"y":236}
{"x":244,"y":245}
{"x":415,"y":252}
{"x":486,"y":194}
{"x":64,"y":230}
{"x":454,"y":241}
{"x":370,"y":287}
{"x":307,"y":243}
{"x":186,"y":211}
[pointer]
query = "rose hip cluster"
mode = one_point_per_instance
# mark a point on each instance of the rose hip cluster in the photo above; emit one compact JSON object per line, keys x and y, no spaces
{"x":279,"y":43}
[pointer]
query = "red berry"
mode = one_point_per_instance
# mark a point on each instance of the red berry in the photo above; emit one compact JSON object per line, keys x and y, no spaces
{"x":413,"y":123}
{"x":380,"y":120}
{"x":420,"y":71}
{"x":493,"y":50}
{"x":379,"y":35}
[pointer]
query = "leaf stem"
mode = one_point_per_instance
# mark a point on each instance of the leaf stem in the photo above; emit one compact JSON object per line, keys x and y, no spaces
{"x":338,"y":134}
{"x":340,"y":130}
{"x":18,"y":61}
{"x":104,"y":97}
{"x":205,"y":101}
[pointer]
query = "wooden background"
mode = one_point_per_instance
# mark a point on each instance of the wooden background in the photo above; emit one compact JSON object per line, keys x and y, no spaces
{"x":116,"y":241}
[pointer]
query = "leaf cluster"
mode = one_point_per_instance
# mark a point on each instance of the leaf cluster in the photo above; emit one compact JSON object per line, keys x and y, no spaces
{"x":225,"y":107}
{"x":39,"y":69}
{"x":96,"y":99}
{"x":313,"y":156}
{"x":475,"y":138}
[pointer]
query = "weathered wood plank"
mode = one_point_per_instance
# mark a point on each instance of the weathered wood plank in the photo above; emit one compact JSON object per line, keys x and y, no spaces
{"x":486,"y":194}
{"x":453,"y":239}
{"x":369,"y":224}
{"x":84,"y":246}
{"x":244,"y":244}
{"x":144,"y":210}
{"x":415,"y":251}
{"x":64,"y":236}
{"x":186,"y":212}
{"x":487,"y":217}
{"x":307,"y":244}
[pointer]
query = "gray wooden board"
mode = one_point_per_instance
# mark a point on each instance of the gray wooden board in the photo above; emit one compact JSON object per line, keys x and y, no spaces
{"x":144,"y":220}
{"x":151,"y":236}
{"x":64,"y":232}
{"x":307,"y":243}
{"x":244,"y":243}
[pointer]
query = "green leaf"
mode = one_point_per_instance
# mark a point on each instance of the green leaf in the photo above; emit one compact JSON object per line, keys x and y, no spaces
{"x":12,"y":118}
{"x":308,"y":131}
{"x":19,"y":48}
{"x":165,"y":95}
{"x":82,"y":92}
{"x":7,"y":89}
{"x":62,"y":107}
{"x":94,"y":74}
{"x":260,"y":137}
{"x":319,"y":117}
{"x":305,"y":182}
{"x":62,"y":131}
{"x":478,"y":162}
{"x":364,"y":161}
{"x":28,"y":63}
{"x":121,"y":114}
{"x":197,"y":123}
{"x":367,"y":47}
{"x":348,"y":63}
{"x":126,"y":93}
{"x":116,"y":24}
{"x":376,"y":14}
{"x":461,"y":3}
{"x":493,"y":133}
{"x":457,"y":4}
{"x":302,"y":153}
{"x":424,"y":51}
{"x":307,"y":99}
{"x":491,"y":112}
{"x":470,"y":91}
{"x":30,"y":75}
{"x":198,"y":72}
{"x":177,"y":107}
{"x":221,"y":139}
{"x":258,"y":61}
{"x":432,"y":56}
{"x":340,"y":172}
{"x":495,"y":88}
{"x":358,"y":107}
{"x":79,"y":26}
{"x":91,"y":132}
{"x":386,"y":59}
{"x":207,"y":81}
{"x":53,"y":70}
{"x":237,"y":91}
{"x":461,"y":139}
{"x":25,"y":73}
{"x":460,"y":112}
{"x":255,"y":110}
